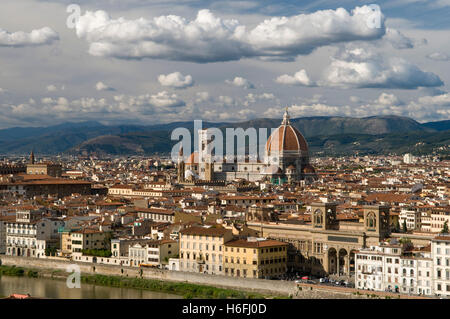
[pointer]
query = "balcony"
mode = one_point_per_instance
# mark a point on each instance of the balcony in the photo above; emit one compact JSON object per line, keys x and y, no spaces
{"x":20,"y":235}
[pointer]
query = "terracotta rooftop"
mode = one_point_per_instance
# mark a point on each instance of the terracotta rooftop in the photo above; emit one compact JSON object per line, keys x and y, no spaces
{"x":255,"y":244}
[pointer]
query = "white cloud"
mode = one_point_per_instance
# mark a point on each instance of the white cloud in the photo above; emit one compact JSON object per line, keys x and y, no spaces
{"x":355,"y":99}
{"x":52,"y":88}
{"x":176,"y":80}
{"x":211,"y":39}
{"x":241,"y":115}
{"x":165,"y":100}
{"x":253,"y":98}
{"x":438,"y":56}
{"x":226,"y":100}
{"x":388,"y":99}
{"x":100,"y":86}
{"x":44,"y":36}
{"x":241,"y":82}
{"x":426,"y":108}
{"x":360,"y":68}
{"x":202,"y":97}
{"x":299,"y":78}
{"x":398,"y":40}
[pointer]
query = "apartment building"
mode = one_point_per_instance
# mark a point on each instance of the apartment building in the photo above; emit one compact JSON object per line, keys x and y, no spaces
{"x":439,"y":216}
{"x":411,"y":217}
{"x":152,"y":252}
{"x":372,"y":271}
{"x":3,"y":222}
{"x":424,"y":271}
{"x":393,"y":268}
{"x":88,"y":239}
{"x":29,"y":227}
{"x":202,"y":248}
{"x":255,"y":258}
{"x":440,"y":252}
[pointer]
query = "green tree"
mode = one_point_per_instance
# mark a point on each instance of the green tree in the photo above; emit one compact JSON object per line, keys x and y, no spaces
{"x":405,"y":229}
{"x":445,"y":228}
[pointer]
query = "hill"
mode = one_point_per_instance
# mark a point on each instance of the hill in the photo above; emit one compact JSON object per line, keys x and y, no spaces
{"x":94,"y":137}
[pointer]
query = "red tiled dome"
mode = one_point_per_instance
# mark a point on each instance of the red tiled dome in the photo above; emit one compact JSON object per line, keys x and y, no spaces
{"x":193,"y":158}
{"x":286,"y":138}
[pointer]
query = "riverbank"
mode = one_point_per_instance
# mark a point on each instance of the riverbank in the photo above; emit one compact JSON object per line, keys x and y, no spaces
{"x":249,"y":285}
{"x":187,"y":290}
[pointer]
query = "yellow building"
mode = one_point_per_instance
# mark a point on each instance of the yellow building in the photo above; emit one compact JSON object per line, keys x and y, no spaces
{"x":255,"y":258}
{"x":89,"y":239}
{"x":66,"y":243}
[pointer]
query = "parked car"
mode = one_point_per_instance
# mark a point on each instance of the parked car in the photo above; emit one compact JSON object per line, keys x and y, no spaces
{"x":324,"y":280}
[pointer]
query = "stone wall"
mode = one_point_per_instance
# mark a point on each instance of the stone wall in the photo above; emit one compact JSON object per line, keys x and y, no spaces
{"x":248,"y":284}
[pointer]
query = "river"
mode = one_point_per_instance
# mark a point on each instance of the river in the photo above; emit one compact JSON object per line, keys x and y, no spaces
{"x":57,"y":289}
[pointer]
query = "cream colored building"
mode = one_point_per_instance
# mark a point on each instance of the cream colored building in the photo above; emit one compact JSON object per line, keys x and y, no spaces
{"x":440,"y":252}
{"x":391,"y":268}
{"x":325,"y":245}
{"x":201,"y":248}
{"x":438,"y":217}
{"x":255,"y":258}
{"x":152,"y":252}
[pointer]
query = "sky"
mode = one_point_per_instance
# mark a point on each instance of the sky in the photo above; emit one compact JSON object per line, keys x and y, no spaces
{"x":159,"y":61}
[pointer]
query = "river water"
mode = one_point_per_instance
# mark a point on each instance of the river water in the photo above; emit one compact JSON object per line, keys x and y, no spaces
{"x":57,"y":289}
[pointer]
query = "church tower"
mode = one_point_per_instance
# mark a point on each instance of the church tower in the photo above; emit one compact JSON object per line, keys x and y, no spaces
{"x":180,"y":171}
{"x":31,"y":158}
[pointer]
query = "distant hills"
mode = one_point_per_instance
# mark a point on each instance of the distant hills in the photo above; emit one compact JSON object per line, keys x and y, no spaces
{"x":325,"y":135}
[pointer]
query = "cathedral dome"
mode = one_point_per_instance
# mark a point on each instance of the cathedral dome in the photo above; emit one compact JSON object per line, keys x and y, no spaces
{"x":193,"y":158}
{"x":286,"y":138}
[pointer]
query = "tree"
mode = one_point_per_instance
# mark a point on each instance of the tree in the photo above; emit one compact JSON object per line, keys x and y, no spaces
{"x":405,"y":229}
{"x":445,"y":228}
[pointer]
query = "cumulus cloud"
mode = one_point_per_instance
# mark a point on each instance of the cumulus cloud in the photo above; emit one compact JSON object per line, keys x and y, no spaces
{"x":241,"y":82}
{"x":361,"y":68}
{"x":202,"y":97}
{"x":425,"y":108}
{"x":209,"y":38}
{"x":176,"y":80}
{"x":226,"y":100}
{"x":240,"y":115}
{"x":388,"y":99}
{"x":253,"y":98}
{"x":355,"y":99}
{"x":43,"y":36}
{"x":52,"y":88}
{"x":100,"y":86}
{"x":300,"y":78}
{"x":438,"y":56}
{"x":165,"y":100}
{"x":398,"y":40}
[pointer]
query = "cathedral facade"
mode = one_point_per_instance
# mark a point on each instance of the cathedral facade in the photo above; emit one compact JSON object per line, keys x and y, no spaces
{"x":286,"y":160}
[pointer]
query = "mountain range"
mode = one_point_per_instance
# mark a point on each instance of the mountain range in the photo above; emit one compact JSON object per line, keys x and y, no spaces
{"x":325,"y":136}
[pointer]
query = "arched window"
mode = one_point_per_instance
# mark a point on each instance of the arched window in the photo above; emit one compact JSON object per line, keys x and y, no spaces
{"x":371,"y":220}
{"x":318,"y":217}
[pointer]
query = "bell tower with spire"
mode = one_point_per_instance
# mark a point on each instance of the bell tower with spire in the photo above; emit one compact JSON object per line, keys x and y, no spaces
{"x":181,"y":167}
